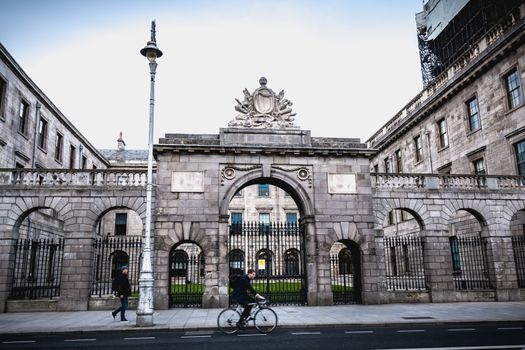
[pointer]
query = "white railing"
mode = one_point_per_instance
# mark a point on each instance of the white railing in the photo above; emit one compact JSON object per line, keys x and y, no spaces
{"x":73,"y":177}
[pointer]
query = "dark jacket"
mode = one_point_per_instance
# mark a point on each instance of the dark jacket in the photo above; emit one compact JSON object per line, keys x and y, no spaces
{"x":121,"y":285}
{"x":240,"y":293}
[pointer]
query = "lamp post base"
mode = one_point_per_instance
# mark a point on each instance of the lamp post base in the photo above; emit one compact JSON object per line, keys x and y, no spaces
{"x":145,"y":320}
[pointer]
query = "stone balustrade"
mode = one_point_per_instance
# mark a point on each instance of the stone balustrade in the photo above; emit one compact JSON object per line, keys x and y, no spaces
{"x":72,"y":177}
{"x":438,"y":181}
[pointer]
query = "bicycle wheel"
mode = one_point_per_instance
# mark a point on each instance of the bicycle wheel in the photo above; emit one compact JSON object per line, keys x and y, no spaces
{"x":265,"y":320}
{"x":227,"y":321}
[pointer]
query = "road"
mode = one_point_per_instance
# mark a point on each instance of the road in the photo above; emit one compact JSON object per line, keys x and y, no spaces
{"x":457,"y":336}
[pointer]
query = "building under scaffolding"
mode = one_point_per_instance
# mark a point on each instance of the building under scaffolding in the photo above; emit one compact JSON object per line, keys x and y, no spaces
{"x":447,"y":29}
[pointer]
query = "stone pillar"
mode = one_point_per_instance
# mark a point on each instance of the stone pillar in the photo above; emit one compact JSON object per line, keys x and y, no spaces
{"x":217,"y":271}
{"x":77,"y":270}
{"x":311,"y":259}
{"x":7,"y":256}
{"x":437,"y":261}
{"x":501,"y":265}
{"x":373,"y":270}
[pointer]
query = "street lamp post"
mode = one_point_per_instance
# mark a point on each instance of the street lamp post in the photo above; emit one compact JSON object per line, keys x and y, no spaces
{"x":145,"y":307}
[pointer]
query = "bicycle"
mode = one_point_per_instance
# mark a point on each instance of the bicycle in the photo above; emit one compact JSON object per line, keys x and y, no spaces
{"x":263,"y":317}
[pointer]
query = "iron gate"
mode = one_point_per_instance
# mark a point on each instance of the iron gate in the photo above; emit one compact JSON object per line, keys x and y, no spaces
{"x":186,"y":274}
{"x":345,"y":271}
{"x":276,"y":252}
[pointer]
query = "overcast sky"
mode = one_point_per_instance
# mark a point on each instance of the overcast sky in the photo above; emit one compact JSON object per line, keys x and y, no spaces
{"x":347,"y":66}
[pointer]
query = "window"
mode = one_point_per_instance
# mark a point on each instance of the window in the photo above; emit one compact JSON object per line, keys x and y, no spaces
{"x":399,"y":161}
{"x":236,"y":218}
{"x":520,"y":157}
{"x":443,"y":135}
{"x":512,"y":82}
{"x":84,"y":162}
{"x":179,"y":263}
{"x":121,"y":221}
{"x":264,"y":218}
{"x":291,"y":218}
{"x":72,"y":153}
{"x":3,"y":88}
{"x":376,"y":168}
{"x":419,"y":148}
{"x":59,"y":143}
{"x":388,"y":165}
{"x":23,"y":117}
{"x":42,"y":134}
{"x":479,"y":167}
{"x":264,"y":190}
{"x":473,"y":114}
{"x":291,"y":262}
{"x":236,"y":262}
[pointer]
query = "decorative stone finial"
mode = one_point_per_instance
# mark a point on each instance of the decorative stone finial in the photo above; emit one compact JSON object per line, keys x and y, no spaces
{"x":263,"y":110}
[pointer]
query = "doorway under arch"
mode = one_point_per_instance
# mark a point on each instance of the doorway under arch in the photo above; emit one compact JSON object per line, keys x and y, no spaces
{"x":186,"y":275}
{"x":345,"y":270}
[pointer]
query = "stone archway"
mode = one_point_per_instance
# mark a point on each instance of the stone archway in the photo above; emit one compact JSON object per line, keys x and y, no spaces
{"x":345,"y":272}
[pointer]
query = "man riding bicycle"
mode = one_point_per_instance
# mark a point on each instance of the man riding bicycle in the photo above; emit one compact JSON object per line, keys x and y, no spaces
{"x":245,"y":294}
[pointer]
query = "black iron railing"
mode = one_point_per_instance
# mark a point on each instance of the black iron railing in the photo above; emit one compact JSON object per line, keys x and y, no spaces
{"x":186,"y":277}
{"x":404,"y":263}
{"x":469,"y":262}
{"x":518,"y":246}
{"x":37,"y":269}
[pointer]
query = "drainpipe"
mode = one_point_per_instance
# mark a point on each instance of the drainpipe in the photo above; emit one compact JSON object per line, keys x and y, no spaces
{"x":37,"y":125}
{"x":429,"y":153}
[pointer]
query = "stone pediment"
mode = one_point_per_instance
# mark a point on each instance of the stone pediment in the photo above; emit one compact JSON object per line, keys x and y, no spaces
{"x":263,"y":109}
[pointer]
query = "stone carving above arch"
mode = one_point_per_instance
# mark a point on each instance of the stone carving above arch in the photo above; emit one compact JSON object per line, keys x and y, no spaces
{"x":303,"y":173}
{"x":186,"y":231}
{"x":229,"y":171}
{"x":346,"y":230}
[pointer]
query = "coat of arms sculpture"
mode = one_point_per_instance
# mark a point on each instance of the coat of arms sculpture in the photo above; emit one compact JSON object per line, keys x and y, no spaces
{"x":263,"y":110}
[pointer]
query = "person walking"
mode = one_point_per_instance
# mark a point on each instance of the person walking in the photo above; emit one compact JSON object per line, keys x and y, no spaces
{"x":122,"y":289}
{"x":245,"y":294}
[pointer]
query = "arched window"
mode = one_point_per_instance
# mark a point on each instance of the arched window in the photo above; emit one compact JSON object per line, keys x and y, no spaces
{"x":345,"y":262}
{"x":264,"y":262}
{"x":118,"y":259}
{"x":291,"y":262}
{"x":179,"y":263}
{"x":236,"y":262}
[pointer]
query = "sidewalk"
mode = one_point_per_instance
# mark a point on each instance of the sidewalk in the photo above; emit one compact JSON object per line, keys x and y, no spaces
{"x":199,"y":319}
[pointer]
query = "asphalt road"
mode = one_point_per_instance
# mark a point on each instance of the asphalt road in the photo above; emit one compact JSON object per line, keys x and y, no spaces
{"x":457,"y":336}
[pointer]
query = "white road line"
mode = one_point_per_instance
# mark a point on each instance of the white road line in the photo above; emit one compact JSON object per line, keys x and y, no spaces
{"x":410,"y":330}
{"x":250,"y":335}
{"x":306,"y":333}
{"x":19,"y":341}
{"x":84,"y":339}
{"x":493,"y":347}
{"x":509,"y":328}
{"x":195,"y":336}
{"x":359,"y":332}
{"x":461,"y":329}
{"x":140,"y":338}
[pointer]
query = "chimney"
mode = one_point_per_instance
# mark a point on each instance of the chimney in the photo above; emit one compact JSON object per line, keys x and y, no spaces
{"x":120,"y":143}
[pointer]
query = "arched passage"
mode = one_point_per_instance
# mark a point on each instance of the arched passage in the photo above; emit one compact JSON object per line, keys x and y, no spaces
{"x":345,"y":272}
{"x":186,"y":275}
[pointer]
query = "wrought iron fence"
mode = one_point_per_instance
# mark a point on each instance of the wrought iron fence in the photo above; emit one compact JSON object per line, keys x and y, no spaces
{"x":342,"y":273}
{"x":404,"y":263}
{"x":37,"y":269}
{"x":276,"y":251}
{"x":110,"y":254}
{"x":186,"y":278}
{"x":518,"y":246}
{"x":469,"y":262}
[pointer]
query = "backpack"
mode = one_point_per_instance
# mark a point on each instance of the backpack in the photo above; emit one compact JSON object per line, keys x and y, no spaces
{"x":234,"y":281}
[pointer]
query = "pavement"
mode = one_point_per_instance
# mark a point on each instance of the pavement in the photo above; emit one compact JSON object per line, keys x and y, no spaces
{"x":289,"y":316}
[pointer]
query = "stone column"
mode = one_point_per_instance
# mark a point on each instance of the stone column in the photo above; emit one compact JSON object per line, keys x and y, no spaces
{"x":217,"y":271}
{"x":7,"y":256}
{"x":373,"y":270}
{"x":77,"y":270}
{"x":500,"y":262}
{"x":437,"y":261}
{"x":311,"y":259}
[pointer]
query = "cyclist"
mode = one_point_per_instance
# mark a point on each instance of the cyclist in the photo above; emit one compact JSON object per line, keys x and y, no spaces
{"x":245,"y":294}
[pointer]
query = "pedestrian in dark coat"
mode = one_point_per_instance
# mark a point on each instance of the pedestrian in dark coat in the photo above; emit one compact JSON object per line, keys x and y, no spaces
{"x":122,"y":289}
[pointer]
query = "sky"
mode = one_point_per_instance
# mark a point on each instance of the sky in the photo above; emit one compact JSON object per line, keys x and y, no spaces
{"x":347,"y":66}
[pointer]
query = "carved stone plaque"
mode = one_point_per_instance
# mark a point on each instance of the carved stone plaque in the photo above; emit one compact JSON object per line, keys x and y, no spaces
{"x":342,"y":183}
{"x":187,"y":181}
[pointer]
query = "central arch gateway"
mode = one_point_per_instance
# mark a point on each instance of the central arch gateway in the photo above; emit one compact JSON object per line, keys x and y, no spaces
{"x":198,"y":175}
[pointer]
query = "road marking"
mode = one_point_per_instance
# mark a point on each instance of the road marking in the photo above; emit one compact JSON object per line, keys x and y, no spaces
{"x":306,"y":333}
{"x":359,"y":332}
{"x":494,"y":347}
{"x":461,"y":329}
{"x":140,"y":338}
{"x":509,"y":328}
{"x":250,"y":335}
{"x":195,"y":336}
{"x":410,"y":330}
{"x":19,"y":341}
{"x":82,"y":339}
